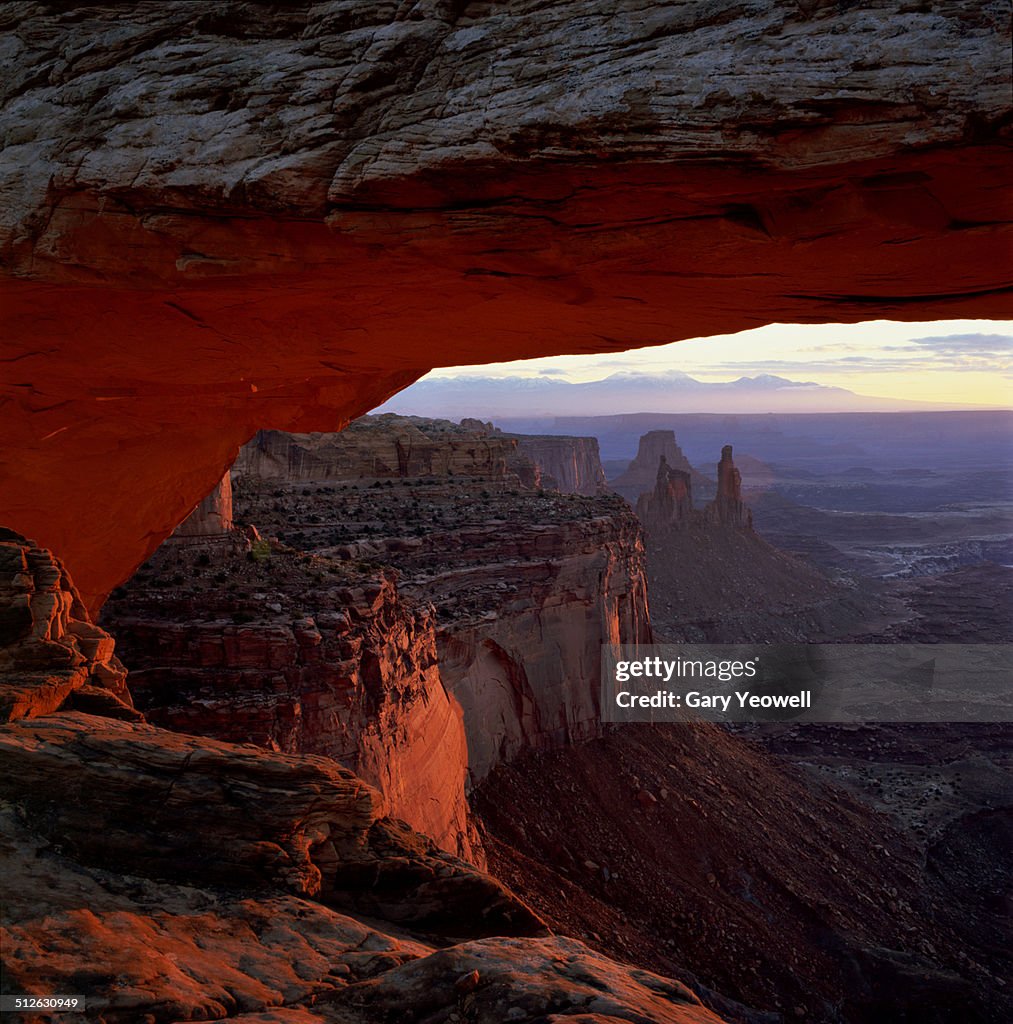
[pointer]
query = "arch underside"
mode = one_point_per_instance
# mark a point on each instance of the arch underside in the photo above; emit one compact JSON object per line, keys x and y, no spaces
{"x":211,"y":227}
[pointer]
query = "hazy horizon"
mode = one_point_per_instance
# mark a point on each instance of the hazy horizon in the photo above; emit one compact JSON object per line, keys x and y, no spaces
{"x":873,"y":366}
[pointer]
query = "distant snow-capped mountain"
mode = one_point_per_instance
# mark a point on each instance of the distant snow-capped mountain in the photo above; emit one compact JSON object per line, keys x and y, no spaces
{"x":627,"y":392}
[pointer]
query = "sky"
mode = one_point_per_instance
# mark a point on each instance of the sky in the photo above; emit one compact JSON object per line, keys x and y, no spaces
{"x":949,"y":361}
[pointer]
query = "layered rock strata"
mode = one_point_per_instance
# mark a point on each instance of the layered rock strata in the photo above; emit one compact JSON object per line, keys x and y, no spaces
{"x":523,"y":625}
{"x":571,"y":465}
{"x":172,"y":877}
{"x":525,"y":587}
{"x":143,"y":948}
{"x":301,"y":655}
{"x":377,"y":447}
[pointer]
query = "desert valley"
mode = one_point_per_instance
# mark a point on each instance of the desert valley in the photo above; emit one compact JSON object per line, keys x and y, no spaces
{"x":423,"y":602}
{"x":306,"y":601}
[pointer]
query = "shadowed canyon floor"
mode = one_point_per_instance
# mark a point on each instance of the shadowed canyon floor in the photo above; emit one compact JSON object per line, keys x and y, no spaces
{"x":770,"y":887}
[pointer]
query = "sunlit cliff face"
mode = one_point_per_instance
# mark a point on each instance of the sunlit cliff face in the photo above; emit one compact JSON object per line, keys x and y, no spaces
{"x":182,"y":269}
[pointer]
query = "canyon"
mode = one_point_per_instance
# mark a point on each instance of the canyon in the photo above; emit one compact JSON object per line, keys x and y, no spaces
{"x":418,"y":656}
{"x":523,"y":585}
{"x":260,"y":670}
{"x":713,"y":578}
{"x":260,"y":218}
{"x":230,"y":880}
{"x":509,"y":572}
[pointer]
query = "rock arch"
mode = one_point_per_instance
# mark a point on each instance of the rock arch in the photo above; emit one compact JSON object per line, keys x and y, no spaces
{"x":219,"y":223}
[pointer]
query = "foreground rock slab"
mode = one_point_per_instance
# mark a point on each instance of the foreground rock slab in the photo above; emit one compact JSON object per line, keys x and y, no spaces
{"x":181,"y":806}
{"x":153,"y":950}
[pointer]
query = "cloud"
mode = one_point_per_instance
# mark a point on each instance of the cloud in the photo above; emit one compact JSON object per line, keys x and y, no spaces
{"x":978,"y":345}
{"x":951,"y":353}
{"x":864,"y":366}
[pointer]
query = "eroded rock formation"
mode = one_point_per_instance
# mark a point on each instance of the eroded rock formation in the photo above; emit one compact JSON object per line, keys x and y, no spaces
{"x":727,"y":508}
{"x":742,"y":860}
{"x":51,"y":655}
{"x":526,"y":586}
{"x":302,"y":655}
{"x":140,"y":945}
{"x":180,"y":877}
{"x":670,"y":504}
{"x":276,"y":217}
{"x":713,"y":578}
{"x":641,"y":475}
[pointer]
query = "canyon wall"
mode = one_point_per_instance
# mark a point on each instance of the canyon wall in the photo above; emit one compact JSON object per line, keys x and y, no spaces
{"x":522,"y":652}
{"x":223,"y":219}
{"x":488,"y":646}
{"x":277,"y":217}
{"x":526,"y":585}
{"x":377,"y":447}
{"x":300,"y":656}
{"x":173,"y":876}
{"x":212,"y":518}
{"x":572,"y":465}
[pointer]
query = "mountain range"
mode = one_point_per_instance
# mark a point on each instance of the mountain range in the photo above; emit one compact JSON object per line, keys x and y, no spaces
{"x":666,"y":391}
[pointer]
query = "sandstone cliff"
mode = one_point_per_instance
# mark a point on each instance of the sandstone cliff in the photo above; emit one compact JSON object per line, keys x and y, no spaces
{"x":174,"y":877}
{"x":520,"y":649}
{"x":571,"y":465}
{"x":526,"y":586}
{"x":279,"y":216}
{"x":212,"y":518}
{"x":305,"y":656}
{"x":377,"y":447}
{"x":51,"y":655}
{"x":323,"y":653}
